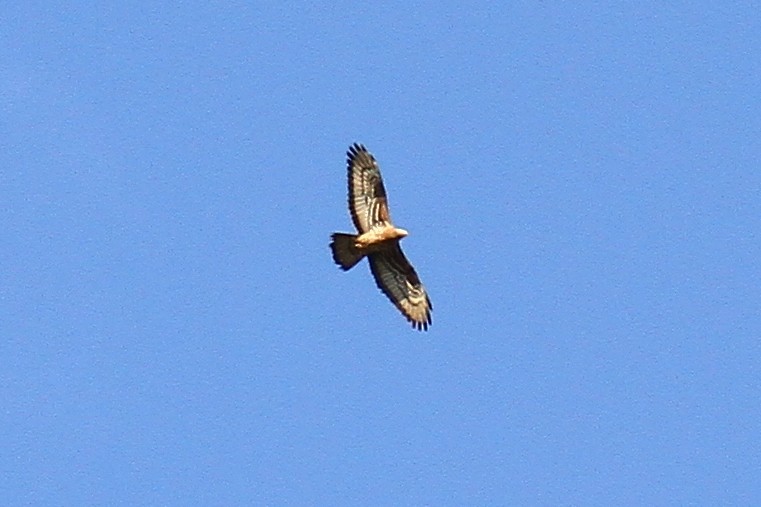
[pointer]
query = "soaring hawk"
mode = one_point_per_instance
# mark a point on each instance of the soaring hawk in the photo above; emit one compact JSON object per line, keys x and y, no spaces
{"x":378,"y":240}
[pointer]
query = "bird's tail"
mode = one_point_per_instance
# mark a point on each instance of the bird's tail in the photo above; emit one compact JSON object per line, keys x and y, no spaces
{"x":345,"y":254}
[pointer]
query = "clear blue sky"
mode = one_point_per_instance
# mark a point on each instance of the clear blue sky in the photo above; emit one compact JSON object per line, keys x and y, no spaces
{"x":582,"y":187}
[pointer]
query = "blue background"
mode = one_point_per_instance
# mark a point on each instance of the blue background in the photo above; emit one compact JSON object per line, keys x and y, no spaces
{"x":581,"y":184}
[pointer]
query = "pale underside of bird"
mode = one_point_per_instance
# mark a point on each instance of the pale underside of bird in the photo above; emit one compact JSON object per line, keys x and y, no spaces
{"x":378,"y":239}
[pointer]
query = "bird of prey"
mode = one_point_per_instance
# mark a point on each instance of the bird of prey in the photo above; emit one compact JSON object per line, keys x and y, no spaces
{"x":378,"y":240}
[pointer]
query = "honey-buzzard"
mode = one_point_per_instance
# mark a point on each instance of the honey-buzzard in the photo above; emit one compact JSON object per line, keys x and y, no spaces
{"x":378,"y":240}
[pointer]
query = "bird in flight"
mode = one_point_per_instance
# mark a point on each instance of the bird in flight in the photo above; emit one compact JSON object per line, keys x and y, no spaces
{"x":378,"y":240}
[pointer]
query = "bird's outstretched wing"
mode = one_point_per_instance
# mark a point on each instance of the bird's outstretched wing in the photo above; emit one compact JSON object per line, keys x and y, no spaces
{"x":367,"y":196}
{"x":398,"y":280}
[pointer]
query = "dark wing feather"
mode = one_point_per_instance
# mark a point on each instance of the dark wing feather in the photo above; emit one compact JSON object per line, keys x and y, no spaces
{"x":396,"y":277}
{"x":367,"y":196}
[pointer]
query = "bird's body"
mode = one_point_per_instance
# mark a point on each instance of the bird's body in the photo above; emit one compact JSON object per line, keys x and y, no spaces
{"x":378,"y":240}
